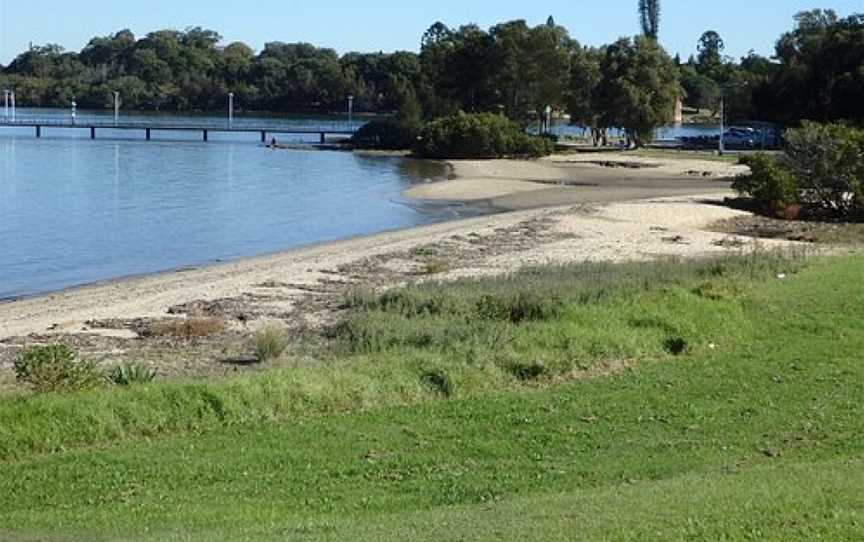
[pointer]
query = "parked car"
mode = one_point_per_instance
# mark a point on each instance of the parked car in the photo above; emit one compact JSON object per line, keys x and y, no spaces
{"x":741,"y":138}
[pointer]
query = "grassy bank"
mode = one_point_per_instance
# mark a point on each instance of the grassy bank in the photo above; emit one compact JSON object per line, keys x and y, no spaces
{"x":431,"y":342}
{"x":707,"y":400}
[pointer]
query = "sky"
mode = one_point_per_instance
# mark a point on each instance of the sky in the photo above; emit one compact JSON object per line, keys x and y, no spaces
{"x":389,"y":25}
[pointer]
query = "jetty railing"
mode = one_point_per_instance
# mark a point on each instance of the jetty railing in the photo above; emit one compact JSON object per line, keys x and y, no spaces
{"x":205,"y":126}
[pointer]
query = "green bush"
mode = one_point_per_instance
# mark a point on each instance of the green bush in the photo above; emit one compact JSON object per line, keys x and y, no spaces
{"x":269,"y":344}
{"x":387,"y":134}
{"x":519,"y":307}
{"x":823,"y":168}
{"x":828,"y":162}
{"x":770,"y":183}
{"x":131,"y":375}
{"x":54,"y":368}
{"x":479,"y":136}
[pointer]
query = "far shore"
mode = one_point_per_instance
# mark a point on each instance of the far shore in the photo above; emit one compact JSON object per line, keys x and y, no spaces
{"x":562,"y":209}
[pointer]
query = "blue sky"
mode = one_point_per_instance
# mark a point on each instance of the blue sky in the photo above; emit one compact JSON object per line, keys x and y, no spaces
{"x":388,"y":25}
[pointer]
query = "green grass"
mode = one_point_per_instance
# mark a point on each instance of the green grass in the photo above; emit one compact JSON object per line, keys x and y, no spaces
{"x":752,"y":432}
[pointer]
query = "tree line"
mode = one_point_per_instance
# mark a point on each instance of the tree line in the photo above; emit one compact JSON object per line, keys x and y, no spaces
{"x":512,"y":69}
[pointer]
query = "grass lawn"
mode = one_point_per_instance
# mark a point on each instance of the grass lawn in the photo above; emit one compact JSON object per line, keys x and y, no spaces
{"x":698,"y":401}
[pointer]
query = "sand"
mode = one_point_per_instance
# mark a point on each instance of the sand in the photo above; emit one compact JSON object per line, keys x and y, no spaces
{"x":577,"y":178}
{"x":554,"y":225}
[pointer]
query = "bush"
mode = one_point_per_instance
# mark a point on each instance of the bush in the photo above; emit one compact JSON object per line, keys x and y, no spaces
{"x":54,"y":368}
{"x":770,"y":183}
{"x":387,"y":134}
{"x":132,"y":375}
{"x":828,"y":162}
{"x":479,"y":136}
{"x":438,"y":382}
{"x":269,"y":344}
{"x":518,"y":308}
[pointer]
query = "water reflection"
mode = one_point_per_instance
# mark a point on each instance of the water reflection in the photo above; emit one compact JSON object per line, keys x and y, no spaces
{"x":74,"y":211}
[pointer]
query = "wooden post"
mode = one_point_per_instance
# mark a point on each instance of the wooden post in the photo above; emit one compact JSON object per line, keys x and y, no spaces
{"x":92,"y":132}
{"x":38,"y":131}
{"x":147,"y":133}
{"x":323,"y":138}
{"x":205,"y":135}
{"x":263,"y":136}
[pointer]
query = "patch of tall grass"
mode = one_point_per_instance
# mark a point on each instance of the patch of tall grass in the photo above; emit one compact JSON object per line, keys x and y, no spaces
{"x":431,"y":341}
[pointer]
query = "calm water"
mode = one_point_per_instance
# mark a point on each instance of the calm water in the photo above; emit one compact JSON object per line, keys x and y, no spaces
{"x":74,"y":211}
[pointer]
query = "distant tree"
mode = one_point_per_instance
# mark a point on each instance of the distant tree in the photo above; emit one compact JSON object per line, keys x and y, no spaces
{"x":548,"y":54}
{"x":819,"y":75}
{"x":710,"y":52}
{"x":585,"y":78}
{"x":649,"y":17}
{"x":700,"y":91}
{"x":639,"y":87}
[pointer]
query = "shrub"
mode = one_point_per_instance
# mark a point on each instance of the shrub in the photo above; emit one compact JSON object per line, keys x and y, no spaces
{"x":828,"y":161}
{"x":517,"y":308}
{"x":438,"y":382}
{"x":388,"y":134}
{"x":479,"y":136}
{"x":54,"y":368}
{"x":527,"y":371}
{"x":269,"y":344}
{"x":770,"y":183}
{"x":131,"y":375}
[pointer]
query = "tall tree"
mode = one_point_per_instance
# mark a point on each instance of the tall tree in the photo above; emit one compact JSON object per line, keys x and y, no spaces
{"x":710,"y":52}
{"x":649,"y":17}
{"x":639,"y":87}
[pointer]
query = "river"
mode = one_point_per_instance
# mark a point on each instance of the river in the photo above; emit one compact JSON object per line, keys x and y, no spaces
{"x":76,"y":211}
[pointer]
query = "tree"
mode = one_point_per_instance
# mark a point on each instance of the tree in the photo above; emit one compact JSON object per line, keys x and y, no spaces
{"x":548,"y":55}
{"x":639,"y":87}
{"x":649,"y":17}
{"x":820,"y":75}
{"x":585,"y":78}
{"x":700,"y":91}
{"x":710,"y":52}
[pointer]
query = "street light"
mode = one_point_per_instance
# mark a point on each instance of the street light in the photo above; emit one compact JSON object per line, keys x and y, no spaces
{"x":351,"y":112}
{"x":722,"y":148}
{"x":74,"y":110}
{"x":230,"y":109}
{"x":13,"y":106}
{"x":548,"y":119}
{"x":116,"y":108}
{"x":6,"y":104}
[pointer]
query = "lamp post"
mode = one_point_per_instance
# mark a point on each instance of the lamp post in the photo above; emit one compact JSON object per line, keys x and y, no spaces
{"x":6,"y":104}
{"x":548,"y":119}
{"x":230,"y":109}
{"x":116,"y":108}
{"x":13,"y":106}
{"x":351,"y":113}
{"x":74,"y":110}
{"x":722,"y":147}
{"x":723,"y":89}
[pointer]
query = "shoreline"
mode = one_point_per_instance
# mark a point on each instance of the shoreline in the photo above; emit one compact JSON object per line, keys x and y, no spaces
{"x":621,"y":227}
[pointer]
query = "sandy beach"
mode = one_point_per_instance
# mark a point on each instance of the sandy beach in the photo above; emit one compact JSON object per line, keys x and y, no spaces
{"x":567,"y":209}
{"x":577,"y":179}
